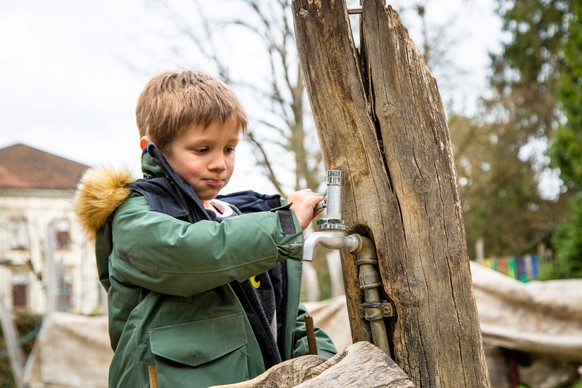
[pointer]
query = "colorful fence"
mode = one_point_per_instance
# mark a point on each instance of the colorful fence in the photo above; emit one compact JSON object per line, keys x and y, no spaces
{"x":522,"y":268}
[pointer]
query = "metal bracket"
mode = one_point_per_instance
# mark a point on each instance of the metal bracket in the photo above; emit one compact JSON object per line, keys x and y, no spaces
{"x":374,"y":311}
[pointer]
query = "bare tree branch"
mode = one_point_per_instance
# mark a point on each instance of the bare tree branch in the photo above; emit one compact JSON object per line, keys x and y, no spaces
{"x":264,"y":162}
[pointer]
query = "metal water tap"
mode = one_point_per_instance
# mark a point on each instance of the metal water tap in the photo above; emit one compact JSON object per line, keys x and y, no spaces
{"x":333,"y":234}
{"x":332,"y":230}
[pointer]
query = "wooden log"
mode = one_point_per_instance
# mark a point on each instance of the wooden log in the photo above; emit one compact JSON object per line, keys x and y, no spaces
{"x":360,"y":365}
{"x":380,"y":119}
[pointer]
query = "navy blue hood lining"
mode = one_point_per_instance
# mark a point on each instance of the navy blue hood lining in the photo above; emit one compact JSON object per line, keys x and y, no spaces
{"x":160,"y":195}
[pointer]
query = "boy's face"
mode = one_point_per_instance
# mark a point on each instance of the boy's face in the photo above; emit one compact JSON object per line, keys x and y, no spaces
{"x":204,"y":157}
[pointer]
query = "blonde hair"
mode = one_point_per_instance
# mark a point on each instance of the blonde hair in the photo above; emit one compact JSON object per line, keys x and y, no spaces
{"x":172,"y":101}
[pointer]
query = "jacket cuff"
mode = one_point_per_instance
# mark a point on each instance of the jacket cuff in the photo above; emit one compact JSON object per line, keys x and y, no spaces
{"x":287,"y":218}
{"x":291,"y":243}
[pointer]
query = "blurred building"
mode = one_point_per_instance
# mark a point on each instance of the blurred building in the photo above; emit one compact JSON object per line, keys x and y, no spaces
{"x":45,"y":260}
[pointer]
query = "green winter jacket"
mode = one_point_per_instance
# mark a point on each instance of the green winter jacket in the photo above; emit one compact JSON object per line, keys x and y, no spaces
{"x":173,"y":316}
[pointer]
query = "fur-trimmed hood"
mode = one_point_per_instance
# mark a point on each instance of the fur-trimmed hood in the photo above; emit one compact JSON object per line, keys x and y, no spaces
{"x":100,"y":192}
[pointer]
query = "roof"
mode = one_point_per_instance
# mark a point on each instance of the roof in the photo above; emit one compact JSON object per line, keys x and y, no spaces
{"x":24,"y":167}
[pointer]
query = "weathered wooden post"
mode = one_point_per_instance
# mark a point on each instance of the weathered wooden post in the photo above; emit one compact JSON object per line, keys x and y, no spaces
{"x":381,"y":121}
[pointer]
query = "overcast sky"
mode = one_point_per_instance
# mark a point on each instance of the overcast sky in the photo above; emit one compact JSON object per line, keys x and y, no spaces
{"x":71,"y":72}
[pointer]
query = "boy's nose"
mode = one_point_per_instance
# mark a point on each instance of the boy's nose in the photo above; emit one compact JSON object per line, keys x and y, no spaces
{"x":218,"y":162}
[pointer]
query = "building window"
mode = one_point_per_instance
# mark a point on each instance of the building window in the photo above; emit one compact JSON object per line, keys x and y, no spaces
{"x":19,"y":234}
{"x":19,"y":291}
{"x":62,"y":234}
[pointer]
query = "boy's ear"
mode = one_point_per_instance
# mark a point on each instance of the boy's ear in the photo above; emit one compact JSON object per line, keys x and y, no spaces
{"x":144,"y":141}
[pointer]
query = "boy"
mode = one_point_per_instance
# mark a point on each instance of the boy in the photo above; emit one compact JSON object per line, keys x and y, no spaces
{"x":199,"y":294}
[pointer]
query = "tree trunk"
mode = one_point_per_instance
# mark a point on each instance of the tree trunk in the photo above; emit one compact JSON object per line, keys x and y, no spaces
{"x":381,"y":121}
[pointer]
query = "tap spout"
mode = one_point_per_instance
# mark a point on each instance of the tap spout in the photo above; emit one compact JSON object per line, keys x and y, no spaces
{"x":332,"y":239}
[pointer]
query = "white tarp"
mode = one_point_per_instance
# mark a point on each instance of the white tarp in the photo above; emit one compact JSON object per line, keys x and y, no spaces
{"x":535,"y":317}
{"x":70,"y":351}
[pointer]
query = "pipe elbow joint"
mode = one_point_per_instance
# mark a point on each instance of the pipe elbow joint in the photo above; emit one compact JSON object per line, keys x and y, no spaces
{"x":366,"y":250}
{"x":331,"y":240}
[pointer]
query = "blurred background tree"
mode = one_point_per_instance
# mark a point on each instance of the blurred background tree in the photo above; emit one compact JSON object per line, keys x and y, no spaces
{"x":501,"y":153}
{"x":566,"y":152}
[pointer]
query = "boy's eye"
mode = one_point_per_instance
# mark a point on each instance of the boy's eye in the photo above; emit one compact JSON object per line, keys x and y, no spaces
{"x":229,"y":149}
{"x":200,"y":150}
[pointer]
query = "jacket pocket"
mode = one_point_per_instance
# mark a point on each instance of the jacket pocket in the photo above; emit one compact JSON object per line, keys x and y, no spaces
{"x":201,"y":353}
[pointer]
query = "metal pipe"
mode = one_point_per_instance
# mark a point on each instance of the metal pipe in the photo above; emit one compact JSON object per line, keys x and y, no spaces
{"x":370,"y":284}
{"x":333,"y":214}
{"x":332,"y":239}
{"x":334,"y":194}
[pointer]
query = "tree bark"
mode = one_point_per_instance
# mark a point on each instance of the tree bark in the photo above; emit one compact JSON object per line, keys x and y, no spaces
{"x":359,"y":365}
{"x":380,"y":120}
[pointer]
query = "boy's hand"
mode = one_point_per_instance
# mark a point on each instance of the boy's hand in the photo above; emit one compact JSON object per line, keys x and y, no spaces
{"x":303,"y":205}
